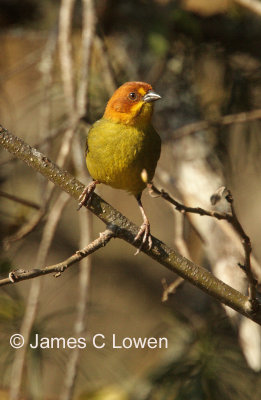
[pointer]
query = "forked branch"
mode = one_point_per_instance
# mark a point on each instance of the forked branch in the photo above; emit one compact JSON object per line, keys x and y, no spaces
{"x":229,"y":217}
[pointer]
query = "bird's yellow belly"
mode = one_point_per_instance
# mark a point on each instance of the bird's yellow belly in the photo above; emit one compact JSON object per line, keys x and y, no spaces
{"x":118,"y":173}
{"x":117,"y":155}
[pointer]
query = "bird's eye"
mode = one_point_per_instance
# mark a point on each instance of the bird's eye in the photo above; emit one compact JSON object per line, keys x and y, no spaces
{"x":133,"y":96}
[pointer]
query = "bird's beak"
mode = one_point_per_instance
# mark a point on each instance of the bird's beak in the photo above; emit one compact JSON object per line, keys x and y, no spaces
{"x":151,"y":96}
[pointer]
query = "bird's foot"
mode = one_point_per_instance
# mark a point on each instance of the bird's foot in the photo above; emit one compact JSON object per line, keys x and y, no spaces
{"x":86,"y":196}
{"x":144,"y":235}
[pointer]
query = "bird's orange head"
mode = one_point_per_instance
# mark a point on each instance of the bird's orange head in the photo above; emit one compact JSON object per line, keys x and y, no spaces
{"x":131,"y":104}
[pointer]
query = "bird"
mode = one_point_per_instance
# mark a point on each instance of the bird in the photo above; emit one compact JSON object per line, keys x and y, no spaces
{"x":122,"y":145}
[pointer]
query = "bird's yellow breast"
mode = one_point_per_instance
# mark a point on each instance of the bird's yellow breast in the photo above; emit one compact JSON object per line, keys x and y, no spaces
{"x":117,"y":154}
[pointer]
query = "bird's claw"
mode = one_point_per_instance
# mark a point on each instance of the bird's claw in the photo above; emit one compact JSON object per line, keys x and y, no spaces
{"x":86,"y":196}
{"x":144,"y":234}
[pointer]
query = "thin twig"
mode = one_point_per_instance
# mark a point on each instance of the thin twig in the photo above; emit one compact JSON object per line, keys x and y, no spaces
{"x":252,"y":282}
{"x":17,"y":199}
{"x":229,"y":217}
{"x":230,"y":119}
{"x":22,"y":275}
{"x":171,"y":288}
{"x":185,"y":209}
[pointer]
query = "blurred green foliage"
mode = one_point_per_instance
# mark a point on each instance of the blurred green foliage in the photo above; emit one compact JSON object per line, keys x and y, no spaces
{"x":210,"y":367}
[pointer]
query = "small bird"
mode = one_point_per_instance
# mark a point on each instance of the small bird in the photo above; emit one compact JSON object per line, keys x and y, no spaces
{"x":122,"y":144}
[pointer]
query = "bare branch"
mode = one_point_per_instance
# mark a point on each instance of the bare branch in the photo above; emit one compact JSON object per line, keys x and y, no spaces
{"x":185,"y":209}
{"x":17,"y":199}
{"x":226,"y":120}
{"x":252,"y":282}
{"x":127,"y":231}
{"x":231,"y":218}
{"x":57,"y":269}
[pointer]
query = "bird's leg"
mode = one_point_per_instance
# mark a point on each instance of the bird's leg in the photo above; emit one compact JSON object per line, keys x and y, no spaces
{"x":144,"y":231}
{"x":85,"y":197}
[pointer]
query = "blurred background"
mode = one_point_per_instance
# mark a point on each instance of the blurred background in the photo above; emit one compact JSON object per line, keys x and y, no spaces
{"x":204,"y":59}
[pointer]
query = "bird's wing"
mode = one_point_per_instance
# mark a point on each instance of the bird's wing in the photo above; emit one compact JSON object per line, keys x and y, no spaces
{"x":88,"y":134}
{"x":86,"y":143}
{"x":86,"y":146}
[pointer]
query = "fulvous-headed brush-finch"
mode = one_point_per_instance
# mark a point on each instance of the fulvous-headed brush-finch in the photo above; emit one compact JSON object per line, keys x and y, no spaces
{"x":122,"y":144}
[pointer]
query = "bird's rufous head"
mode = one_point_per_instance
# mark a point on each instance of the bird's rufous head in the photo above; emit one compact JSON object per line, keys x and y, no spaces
{"x":131,"y":104}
